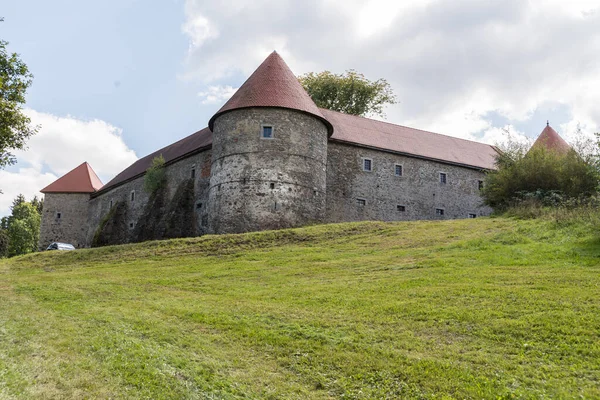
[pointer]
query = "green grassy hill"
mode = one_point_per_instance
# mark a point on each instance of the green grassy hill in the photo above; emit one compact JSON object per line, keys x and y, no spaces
{"x":484,"y":308}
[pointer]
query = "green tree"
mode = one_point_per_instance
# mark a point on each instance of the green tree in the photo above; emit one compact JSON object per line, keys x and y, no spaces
{"x":3,"y":243}
{"x":23,"y":229}
{"x":15,"y":126}
{"x":155,"y":175}
{"x":349,"y":93}
{"x":544,"y":175}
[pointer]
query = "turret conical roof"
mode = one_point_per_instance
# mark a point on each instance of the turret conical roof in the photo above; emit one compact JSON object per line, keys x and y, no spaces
{"x":82,"y":179}
{"x":551,"y":140}
{"x":273,"y":84}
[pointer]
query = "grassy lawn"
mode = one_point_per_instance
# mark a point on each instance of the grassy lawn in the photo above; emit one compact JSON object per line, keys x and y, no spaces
{"x":484,"y":308}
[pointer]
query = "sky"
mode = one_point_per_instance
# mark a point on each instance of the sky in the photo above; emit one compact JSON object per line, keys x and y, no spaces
{"x":115,"y":80}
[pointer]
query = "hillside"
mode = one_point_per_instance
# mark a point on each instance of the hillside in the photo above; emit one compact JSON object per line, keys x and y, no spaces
{"x":484,"y":308}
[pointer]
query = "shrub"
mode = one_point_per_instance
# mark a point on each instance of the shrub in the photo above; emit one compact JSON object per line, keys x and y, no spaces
{"x":543,"y":175}
{"x":155,"y":175}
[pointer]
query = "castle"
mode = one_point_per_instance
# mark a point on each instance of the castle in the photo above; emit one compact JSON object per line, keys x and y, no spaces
{"x":269,"y":159}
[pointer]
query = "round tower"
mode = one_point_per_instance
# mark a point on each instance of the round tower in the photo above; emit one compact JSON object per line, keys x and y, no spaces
{"x":269,"y":155}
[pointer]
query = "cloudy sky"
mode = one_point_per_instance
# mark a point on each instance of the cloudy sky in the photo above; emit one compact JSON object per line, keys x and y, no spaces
{"x":118,"y":79}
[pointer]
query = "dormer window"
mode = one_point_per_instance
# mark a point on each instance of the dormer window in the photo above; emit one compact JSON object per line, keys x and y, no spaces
{"x":266,"y":132}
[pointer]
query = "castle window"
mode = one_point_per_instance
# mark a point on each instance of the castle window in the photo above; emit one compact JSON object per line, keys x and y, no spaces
{"x":131,"y":225}
{"x":439,"y":211}
{"x":367,"y":164}
{"x":193,"y":174}
{"x":266,"y":132}
{"x":480,"y":185}
{"x":272,"y":185}
{"x":133,"y":195}
{"x":398,"y":170}
{"x":58,"y":215}
{"x":400,"y":208}
{"x":361,"y":202}
{"x":472,"y":215}
{"x":111,"y":204}
{"x":198,"y":205}
{"x":443,"y":177}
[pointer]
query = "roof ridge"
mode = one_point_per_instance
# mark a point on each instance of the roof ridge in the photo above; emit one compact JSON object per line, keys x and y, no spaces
{"x":406,"y":127}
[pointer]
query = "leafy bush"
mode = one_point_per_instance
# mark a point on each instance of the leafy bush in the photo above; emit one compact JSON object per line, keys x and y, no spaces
{"x":545,"y":176}
{"x":155,"y":175}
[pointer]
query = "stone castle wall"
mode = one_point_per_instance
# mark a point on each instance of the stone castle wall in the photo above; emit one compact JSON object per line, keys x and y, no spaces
{"x":71,"y":227}
{"x":418,"y":189}
{"x":176,"y":173}
{"x":260,"y":183}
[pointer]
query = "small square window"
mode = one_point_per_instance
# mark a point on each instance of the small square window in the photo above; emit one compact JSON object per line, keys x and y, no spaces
{"x":133,"y":195}
{"x":398,"y":170}
{"x":480,"y":185}
{"x":400,"y":208}
{"x":272,"y":186}
{"x":58,"y":215}
{"x":131,"y":225}
{"x":361,"y":202}
{"x":193,"y":174}
{"x":443,"y":177}
{"x":198,"y":205}
{"x":367,"y":164}
{"x":472,"y":215}
{"x":439,"y":211}
{"x":267,"y":132}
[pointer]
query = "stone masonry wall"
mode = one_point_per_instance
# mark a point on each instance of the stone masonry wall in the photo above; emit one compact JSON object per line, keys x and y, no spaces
{"x":71,"y":227}
{"x":418,"y":189}
{"x":176,"y":173}
{"x":260,"y":183}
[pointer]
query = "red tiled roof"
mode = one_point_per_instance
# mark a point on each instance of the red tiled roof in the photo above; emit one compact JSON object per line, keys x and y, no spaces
{"x":273,"y":84}
{"x":401,"y":139}
{"x":185,"y":146}
{"x":82,"y":179}
{"x":551,"y":141}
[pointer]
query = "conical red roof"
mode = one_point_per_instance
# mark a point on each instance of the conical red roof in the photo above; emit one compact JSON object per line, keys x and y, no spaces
{"x":272,"y":85}
{"x":82,"y":179}
{"x":551,"y":141}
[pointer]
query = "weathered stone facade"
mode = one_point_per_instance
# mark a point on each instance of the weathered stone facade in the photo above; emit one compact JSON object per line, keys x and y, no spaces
{"x":64,"y":219}
{"x":132,"y":194}
{"x":267,"y":183}
{"x":418,"y":191}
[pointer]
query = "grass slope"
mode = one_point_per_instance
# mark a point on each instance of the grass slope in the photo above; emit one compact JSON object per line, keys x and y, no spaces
{"x":485,"y":308}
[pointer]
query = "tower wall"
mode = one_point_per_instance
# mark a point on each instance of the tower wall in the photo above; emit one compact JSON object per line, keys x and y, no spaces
{"x":71,"y":227}
{"x":259,"y":183}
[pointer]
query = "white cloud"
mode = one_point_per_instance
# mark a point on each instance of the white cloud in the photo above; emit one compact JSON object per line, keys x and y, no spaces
{"x":217,"y":94}
{"x":62,"y":144}
{"x":452,"y":63}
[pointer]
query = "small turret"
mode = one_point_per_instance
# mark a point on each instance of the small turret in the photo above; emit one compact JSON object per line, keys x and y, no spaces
{"x":551,"y":140}
{"x":64,"y":217}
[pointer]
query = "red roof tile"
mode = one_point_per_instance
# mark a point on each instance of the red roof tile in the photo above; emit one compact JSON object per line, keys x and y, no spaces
{"x":397,"y":138}
{"x":551,"y":141}
{"x":273,"y":84}
{"x":177,"y":150}
{"x":82,"y":179}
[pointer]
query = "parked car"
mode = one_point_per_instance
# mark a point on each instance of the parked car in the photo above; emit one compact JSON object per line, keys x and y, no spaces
{"x":60,"y":246}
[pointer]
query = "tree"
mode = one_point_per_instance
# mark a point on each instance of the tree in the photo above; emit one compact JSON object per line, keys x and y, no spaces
{"x":15,"y":126}
{"x":19,"y":232}
{"x":155,"y":175}
{"x":23,"y":230}
{"x":349,"y":93}
{"x":543,"y":175}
